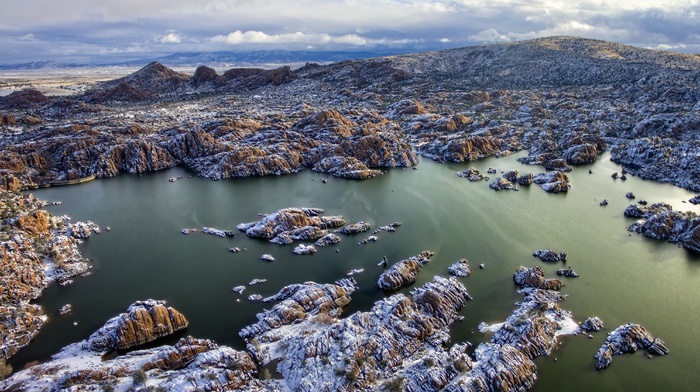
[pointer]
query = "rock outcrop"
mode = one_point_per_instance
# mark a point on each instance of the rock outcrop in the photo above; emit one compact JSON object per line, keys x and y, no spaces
{"x":472,"y":174}
{"x":661,"y":222}
{"x":553,"y":181}
{"x":292,"y":224}
{"x":460,"y":268}
{"x":404,"y":272}
{"x":35,"y":249}
{"x":550,"y":255}
{"x":534,"y":277}
{"x":144,"y":322}
{"x":592,"y":324}
{"x":189,"y":365}
{"x":627,"y":339}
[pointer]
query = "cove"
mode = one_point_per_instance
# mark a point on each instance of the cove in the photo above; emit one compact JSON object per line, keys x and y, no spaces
{"x":623,"y":278}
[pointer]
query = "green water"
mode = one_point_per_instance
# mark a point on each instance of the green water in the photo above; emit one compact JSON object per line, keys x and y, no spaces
{"x":623,"y":278}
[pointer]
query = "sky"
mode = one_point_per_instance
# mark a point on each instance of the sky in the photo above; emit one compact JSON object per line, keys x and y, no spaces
{"x":108,"y":31}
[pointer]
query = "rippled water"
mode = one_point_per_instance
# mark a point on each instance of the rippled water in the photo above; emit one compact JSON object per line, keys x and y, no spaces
{"x":624,"y":278}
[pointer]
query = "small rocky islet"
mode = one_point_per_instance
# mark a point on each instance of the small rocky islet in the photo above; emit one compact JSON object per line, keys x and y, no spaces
{"x":648,"y":123}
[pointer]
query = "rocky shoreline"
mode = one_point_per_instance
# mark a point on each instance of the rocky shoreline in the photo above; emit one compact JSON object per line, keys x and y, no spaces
{"x":35,"y":249}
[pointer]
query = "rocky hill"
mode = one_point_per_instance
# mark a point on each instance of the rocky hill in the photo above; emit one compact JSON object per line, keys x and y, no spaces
{"x":562,"y":99}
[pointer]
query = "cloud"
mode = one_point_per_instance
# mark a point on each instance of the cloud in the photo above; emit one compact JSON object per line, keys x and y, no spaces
{"x":170,"y":38}
{"x":239,"y":37}
{"x":132,"y":25}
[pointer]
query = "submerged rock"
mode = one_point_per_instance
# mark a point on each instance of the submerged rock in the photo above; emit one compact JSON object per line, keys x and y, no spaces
{"x":403,"y":272}
{"x":626,"y":339}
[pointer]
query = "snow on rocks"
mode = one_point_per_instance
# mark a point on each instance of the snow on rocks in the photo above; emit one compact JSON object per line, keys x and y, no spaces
{"x":553,"y":181}
{"x":65,"y":309}
{"x":400,"y":336}
{"x":189,"y":365}
{"x":303,"y":249}
{"x":568,"y":272}
{"x":534,"y":277}
{"x":256,"y":281}
{"x":660,"y":221}
{"x":238,"y":289}
{"x":328,"y":239}
{"x":81,"y":230}
{"x":472,"y":174}
{"x":267,"y":257}
{"x":354,"y":228}
{"x":627,"y":339}
{"x":292,"y":224}
{"x":218,"y":232}
{"x":592,"y":324}
{"x":550,"y":255}
{"x":460,"y":268}
{"x":299,"y":301}
{"x":403,"y":272}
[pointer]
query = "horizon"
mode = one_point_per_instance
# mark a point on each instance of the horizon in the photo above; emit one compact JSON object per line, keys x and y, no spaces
{"x":124,"y":31}
{"x":341,"y":54}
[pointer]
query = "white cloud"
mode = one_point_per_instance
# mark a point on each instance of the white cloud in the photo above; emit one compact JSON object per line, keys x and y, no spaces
{"x":239,"y":37}
{"x":490,"y":35}
{"x":170,"y":38}
{"x":334,"y":24}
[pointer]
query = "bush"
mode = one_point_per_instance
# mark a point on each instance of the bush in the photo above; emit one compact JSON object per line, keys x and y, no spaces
{"x":139,"y":377}
{"x":5,"y":369}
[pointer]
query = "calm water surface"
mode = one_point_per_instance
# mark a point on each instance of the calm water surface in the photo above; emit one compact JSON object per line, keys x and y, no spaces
{"x":624,"y":278}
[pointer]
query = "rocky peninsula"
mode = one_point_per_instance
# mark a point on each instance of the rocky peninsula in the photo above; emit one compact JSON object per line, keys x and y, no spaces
{"x":35,"y":248}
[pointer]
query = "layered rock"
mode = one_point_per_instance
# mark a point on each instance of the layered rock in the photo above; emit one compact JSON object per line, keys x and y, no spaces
{"x":399,"y":340}
{"x":627,"y":339}
{"x":35,"y":248}
{"x":403,"y":272}
{"x":553,"y":181}
{"x":327,"y":240}
{"x":472,"y":174}
{"x":660,"y":221}
{"x":189,"y":365}
{"x":534,"y":277}
{"x":502,"y":183}
{"x":594,"y":324}
{"x":292,"y":224}
{"x":355,"y":228}
{"x":299,"y":302}
{"x":144,"y":322}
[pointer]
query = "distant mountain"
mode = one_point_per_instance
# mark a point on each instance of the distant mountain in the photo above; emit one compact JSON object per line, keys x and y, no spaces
{"x":37,"y":65}
{"x":257,"y":58}
{"x":218,"y":59}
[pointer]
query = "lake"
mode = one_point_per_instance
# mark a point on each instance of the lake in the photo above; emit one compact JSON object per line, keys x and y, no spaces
{"x":624,"y":278}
